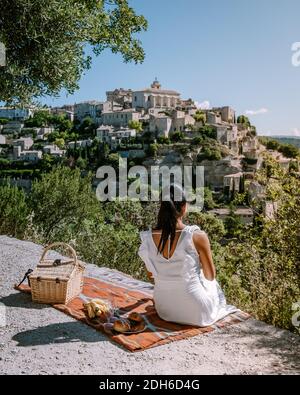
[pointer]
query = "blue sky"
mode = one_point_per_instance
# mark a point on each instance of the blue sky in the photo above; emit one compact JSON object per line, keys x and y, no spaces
{"x":226,"y":52}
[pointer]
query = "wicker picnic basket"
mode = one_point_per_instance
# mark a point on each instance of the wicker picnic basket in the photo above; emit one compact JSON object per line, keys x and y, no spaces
{"x":56,"y":281}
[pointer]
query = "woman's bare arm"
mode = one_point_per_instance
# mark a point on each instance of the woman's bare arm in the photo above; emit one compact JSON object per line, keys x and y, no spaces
{"x":202,"y":246}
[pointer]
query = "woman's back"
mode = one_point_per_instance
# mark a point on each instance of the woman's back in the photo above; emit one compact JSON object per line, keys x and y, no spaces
{"x":182,"y":294}
{"x":175,"y":262}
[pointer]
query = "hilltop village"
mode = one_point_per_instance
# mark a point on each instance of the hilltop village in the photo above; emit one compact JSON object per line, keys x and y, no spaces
{"x":151,"y":126}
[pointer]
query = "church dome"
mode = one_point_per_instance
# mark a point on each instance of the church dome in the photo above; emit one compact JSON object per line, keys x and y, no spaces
{"x":156,"y":84}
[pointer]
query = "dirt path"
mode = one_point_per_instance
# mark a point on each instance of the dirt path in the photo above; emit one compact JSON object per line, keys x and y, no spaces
{"x":41,"y":340}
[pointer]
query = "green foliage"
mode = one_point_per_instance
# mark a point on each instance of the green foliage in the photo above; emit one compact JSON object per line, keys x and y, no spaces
{"x":200,"y":116}
{"x":4,"y":163}
{"x":209,"y":153}
{"x":87,"y":128}
{"x":4,"y":121}
{"x":113,"y":160}
{"x":108,"y":246}
{"x":61,"y":123}
{"x":177,"y":136}
{"x":13,"y":211}
{"x":152,"y":150}
{"x":260,"y":272}
{"x":137,"y":125}
{"x":81,"y":163}
{"x":163,"y":140}
{"x":234,"y":226}
{"x":242,"y":119}
{"x":209,"y":223}
{"x":209,"y":202}
{"x":39,"y":119}
{"x":60,"y":143}
{"x":197,"y":140}
{"x":62,"y":199}
{"x":209,"y":132}
{"x":288,"y":150}
{"x":46,"y":46}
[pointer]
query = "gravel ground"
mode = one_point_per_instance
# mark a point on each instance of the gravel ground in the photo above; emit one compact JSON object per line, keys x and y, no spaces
{"x":41,"y":340}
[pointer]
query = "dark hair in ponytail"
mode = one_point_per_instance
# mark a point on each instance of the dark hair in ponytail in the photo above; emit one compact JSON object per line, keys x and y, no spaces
{"x":168,"y":214}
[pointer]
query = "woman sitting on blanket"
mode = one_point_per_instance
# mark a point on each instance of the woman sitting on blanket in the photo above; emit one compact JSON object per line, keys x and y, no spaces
{"x":179,"y":259}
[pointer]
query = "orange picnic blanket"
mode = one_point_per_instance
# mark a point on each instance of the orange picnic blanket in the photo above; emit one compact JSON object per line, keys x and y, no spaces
{"x":157,"y":332}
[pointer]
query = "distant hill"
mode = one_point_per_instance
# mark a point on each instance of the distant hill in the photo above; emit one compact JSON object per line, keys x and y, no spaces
{"x":293,"y":140}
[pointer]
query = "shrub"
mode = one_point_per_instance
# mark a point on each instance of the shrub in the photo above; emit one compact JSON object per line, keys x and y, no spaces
{"x":4,"y":121}
{"x":209,"y":153}
{"x":209,"y":132}
{"x":13,"y":211}
{"x":177,"y":136}
{"x":209,"y":223}
{"x":62,"y":199}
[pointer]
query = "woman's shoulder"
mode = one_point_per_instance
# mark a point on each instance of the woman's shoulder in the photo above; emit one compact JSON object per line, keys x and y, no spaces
{"x":193,"y":229}
{"x":145,"y":234}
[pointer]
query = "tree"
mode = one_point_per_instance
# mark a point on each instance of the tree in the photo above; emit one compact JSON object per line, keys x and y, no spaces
{"x":209,"y":223}
{"x":209,"y":153}
{"x":60,"y":143}
{"x":209,"y":132}
{"x":81,"y":163}
{"x":39,"y":119}
{"x":273,"y":145}
{"x":289,"y":150}
{"x":242,"y":119}
{"x":113,"y":160}
{"x":46,"y":42}
{"x":137,"y":125}
{"x":209,"y":202}
{"x":62,"y":123}
{"x":200,"y":116}
{"x":13,"y":211}
{"x":61,"y":201}
{"x":153,"y":149}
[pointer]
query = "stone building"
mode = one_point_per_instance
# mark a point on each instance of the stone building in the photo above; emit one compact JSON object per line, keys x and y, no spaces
{"x":120,"y":118}
{"x":2,"y":139}
{"x":24,"y":142}
{"x":155,"y":97}
{"x":233,"y":183}
{"x":161,"y":125}
{"x":226,"y":113}
{"x":16,"y":114}
{"x":121,"y":97}
{"x":92,"y":109}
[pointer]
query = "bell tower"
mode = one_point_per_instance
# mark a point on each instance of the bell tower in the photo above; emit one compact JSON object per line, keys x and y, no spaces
{"x":156,"y":84}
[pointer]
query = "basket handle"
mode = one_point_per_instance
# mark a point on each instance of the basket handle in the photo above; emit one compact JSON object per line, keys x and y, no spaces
{"x":51,"y":246}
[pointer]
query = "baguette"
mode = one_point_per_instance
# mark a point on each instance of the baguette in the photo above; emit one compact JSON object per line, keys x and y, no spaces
{"x":122,"y":326}
{"x":136,"y":317}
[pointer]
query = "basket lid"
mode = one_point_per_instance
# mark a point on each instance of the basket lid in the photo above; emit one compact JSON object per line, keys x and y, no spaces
{"x":47,"y":271}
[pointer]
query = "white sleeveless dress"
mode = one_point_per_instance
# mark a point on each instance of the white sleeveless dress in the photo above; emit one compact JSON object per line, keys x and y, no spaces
{"x":181,"y":293}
